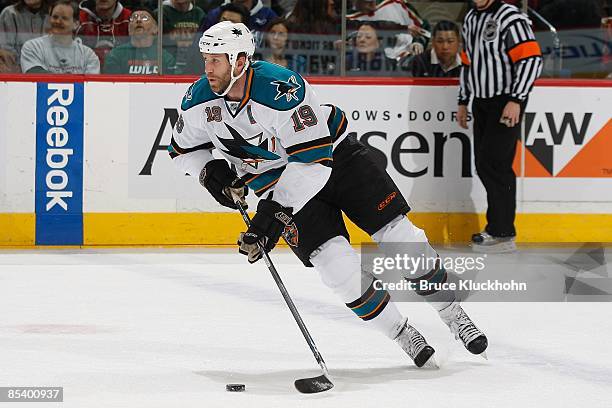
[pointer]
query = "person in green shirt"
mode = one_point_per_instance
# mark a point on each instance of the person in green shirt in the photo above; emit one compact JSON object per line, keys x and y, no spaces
{"x":181,"y":22}
{"x":139,"y":56}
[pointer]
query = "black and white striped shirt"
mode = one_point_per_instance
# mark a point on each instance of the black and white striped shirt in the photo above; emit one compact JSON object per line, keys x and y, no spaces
{"x":501,"y":55}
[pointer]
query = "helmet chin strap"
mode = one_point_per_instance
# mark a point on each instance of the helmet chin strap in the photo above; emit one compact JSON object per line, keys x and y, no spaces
{"x":234,"y":78}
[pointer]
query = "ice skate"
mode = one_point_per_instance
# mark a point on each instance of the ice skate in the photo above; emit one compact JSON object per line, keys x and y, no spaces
{"x":483,"y":242}
{"x":464,"y":329}
{"x":415,"y":345}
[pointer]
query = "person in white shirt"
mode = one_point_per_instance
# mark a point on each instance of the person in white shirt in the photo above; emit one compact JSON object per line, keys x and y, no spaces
{"x":59,"y":52}
{"x":395,"y":14}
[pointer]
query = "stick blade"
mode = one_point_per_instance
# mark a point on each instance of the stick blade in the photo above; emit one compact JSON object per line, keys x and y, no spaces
{"x":314,"y":384}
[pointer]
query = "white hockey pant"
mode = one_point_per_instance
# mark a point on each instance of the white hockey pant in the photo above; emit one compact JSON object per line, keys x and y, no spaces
{"x":401,"y":237}
{"x":340,"y":269}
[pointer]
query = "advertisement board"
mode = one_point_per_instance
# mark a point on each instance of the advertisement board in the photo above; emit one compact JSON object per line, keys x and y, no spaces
{"x":132,"y":193}
{"x":59,"y":164}
{"x":414,"y":133}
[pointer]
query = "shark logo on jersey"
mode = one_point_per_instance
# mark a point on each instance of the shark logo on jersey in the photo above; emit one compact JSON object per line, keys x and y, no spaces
{"x":287,"y":88}
{"x":237,"y":32}
{"x":239,"y":147}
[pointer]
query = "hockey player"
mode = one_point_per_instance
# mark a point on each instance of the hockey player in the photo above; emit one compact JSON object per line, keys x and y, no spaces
{"x":294,"y":154}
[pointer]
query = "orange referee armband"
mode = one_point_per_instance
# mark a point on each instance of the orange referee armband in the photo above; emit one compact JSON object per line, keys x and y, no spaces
{"x":524,"y":50}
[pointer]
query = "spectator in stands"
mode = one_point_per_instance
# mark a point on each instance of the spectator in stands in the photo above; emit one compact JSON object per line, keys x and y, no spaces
{"x":275,"y":43}
{"x":443,"y":60}
{"x":139,"y":55}
{"x":104,"y":25}
{"x":366,"y":54}
{"x":59,"y":52}
{"x":367,"y":45}
{"x":235,"y":13}
{"x":275,"y":47}
{"x":19,"y":23}
{"x":181,"y":22}
{"x":315,"y":30}
{"x":397,"y":14}
{"x":314,"y":17}
{"x":259,"y":16}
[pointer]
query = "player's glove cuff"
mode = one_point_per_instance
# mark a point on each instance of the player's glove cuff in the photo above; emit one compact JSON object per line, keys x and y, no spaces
{"x":266,"y":228}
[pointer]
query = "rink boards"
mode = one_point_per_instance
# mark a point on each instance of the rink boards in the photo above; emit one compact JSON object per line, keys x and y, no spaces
{"x":85,"y":163}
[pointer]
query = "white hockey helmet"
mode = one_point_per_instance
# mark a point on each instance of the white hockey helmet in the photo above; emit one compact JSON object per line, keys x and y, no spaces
{"x":231,"y":39}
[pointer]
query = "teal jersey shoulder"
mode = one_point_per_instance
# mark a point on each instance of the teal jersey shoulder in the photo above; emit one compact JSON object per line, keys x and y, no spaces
{"x":276,"y":87}
{"x":199,"y":92}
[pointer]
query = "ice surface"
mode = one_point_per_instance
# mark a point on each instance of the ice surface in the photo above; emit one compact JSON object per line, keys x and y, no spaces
{"x":170,"y":327}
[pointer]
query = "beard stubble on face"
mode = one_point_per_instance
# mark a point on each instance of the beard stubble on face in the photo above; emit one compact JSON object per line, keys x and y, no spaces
{"x":219,"y":83}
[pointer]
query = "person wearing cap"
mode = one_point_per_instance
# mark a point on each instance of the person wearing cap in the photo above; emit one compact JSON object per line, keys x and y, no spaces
{"x":139,"y":56}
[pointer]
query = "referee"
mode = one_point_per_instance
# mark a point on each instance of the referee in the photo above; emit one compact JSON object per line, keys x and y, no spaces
{"x":500,"y":63}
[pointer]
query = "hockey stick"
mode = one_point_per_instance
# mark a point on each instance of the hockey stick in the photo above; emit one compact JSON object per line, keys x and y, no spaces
{"x":304,"y":385}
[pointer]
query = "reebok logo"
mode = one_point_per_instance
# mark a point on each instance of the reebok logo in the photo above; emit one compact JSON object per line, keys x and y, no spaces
{"x":59,"y":164}
{"x":57,"y":156}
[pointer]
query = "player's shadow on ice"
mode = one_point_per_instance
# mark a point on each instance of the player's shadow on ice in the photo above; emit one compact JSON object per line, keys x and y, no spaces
{"x":281,"y":382}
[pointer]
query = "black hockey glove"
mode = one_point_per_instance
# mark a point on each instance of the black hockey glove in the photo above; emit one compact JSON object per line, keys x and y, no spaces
{"x":266,"y":227}
{"x":221,"y":181}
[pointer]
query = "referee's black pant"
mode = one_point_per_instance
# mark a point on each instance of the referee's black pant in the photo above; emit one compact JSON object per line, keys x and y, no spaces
{"x":494,"y":150}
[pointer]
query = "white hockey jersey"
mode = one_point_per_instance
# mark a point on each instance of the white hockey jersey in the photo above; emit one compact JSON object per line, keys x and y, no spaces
{"x":278,"y":136}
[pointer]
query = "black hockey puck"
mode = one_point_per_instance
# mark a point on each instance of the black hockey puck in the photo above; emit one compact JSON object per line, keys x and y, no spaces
{"x":234,"y":387}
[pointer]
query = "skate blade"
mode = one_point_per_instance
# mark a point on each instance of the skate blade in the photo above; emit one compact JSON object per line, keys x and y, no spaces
{"x":484,"y":355}
{"x":501,"y":248}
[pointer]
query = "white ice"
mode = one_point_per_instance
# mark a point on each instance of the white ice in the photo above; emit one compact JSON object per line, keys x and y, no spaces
{"x":170,"y":327}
